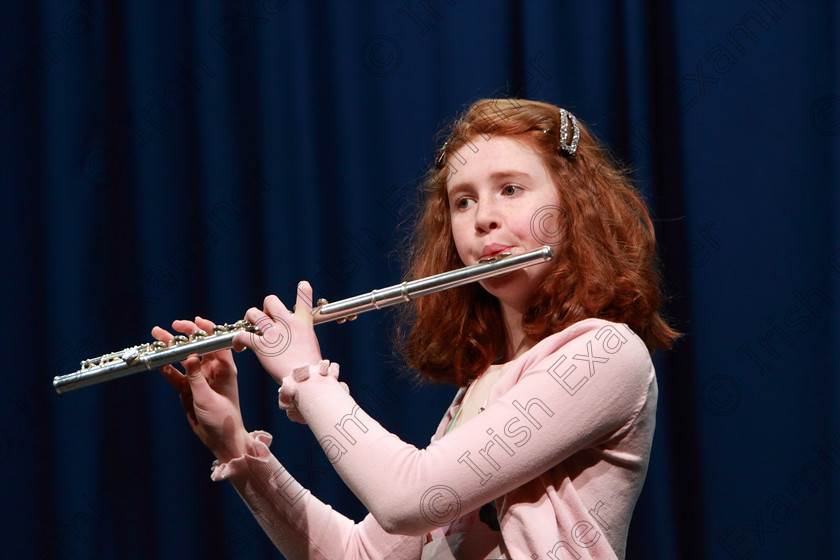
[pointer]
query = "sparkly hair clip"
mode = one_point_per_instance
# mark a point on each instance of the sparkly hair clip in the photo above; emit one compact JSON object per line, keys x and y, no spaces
{"x":570,"y":147}
{"x":440,"y":159}
{"x":567,"y":140}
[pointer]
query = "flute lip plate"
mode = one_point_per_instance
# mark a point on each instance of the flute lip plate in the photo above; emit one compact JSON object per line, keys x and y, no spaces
{"x":493,"y":258}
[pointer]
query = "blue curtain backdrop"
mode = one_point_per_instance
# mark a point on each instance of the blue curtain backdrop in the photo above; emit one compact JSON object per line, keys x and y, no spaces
{"x":160,"y":160}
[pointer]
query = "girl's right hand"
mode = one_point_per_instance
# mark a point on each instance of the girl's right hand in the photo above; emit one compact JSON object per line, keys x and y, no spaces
{"x":209,"y":394}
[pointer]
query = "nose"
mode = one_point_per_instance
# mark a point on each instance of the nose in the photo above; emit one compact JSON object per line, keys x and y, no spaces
{"x":487,"y":216}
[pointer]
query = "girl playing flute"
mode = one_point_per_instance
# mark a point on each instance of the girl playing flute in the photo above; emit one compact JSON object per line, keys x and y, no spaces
{"x":544,"y":450}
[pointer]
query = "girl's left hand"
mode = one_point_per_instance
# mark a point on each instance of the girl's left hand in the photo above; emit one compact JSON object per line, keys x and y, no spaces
{"x":288,"y":339}
{"x":209,"y":394}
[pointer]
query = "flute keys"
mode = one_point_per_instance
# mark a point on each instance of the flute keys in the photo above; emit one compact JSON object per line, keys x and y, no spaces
{"x":130,"y":355}
{"x":198,"y":334}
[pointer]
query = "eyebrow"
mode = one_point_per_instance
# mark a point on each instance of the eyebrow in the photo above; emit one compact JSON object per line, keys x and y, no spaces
{"x":495,"y":176}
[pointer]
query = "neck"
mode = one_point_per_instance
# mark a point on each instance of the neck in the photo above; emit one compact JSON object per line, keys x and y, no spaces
{"x":516,"y":341}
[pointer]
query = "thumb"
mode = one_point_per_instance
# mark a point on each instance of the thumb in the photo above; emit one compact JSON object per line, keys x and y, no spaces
{"x":303,"y":304}
{"x":243,"y":340}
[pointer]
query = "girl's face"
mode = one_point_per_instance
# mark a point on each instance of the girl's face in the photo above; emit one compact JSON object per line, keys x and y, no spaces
{"x":502,"y":200}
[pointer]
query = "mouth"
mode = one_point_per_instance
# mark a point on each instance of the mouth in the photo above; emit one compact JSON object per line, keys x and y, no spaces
{"x":494,"y":252}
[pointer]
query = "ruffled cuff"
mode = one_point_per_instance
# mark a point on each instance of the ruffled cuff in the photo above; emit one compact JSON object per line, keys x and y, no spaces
{"x":221,"y":471}
{"x":289,"y":388}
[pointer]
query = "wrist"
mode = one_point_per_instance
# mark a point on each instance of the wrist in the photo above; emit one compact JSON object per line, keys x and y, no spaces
{"x":239,"y":444}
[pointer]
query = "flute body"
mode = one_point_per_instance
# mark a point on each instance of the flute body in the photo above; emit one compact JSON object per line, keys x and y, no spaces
{"x":153,"y":355}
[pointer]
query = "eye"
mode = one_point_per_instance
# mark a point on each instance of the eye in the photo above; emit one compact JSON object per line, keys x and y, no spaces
{"x":511,"y":190}
{"x":463,"y":203}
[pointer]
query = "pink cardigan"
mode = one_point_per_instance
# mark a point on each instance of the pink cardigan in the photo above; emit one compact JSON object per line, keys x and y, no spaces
{"x":562,"y":448}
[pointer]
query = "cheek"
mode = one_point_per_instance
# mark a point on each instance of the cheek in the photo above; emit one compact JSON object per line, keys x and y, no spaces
{"x":545,"y":224}
{"x":523,"y":227}
{"x":459,"y":236}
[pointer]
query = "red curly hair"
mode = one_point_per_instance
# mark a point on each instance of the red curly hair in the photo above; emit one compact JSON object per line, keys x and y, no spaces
{"x":605,"y":261}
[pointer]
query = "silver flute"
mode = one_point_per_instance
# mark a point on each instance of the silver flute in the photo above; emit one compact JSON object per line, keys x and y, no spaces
{"x":153,"y":355}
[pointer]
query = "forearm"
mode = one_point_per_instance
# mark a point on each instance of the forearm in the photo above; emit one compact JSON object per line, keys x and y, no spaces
{"x":389,"y":476}
{"x":300,"y":525}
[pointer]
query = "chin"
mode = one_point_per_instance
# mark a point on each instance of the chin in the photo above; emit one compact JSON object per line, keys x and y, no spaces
{"x":511,"y":287}
{"x":517,"y":287}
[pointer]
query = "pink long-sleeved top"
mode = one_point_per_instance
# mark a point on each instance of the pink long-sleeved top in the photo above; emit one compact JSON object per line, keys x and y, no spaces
{"x":562,"y":448}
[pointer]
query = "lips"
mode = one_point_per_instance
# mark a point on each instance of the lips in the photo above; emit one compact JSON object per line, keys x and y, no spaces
{"x":494,"y":250}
